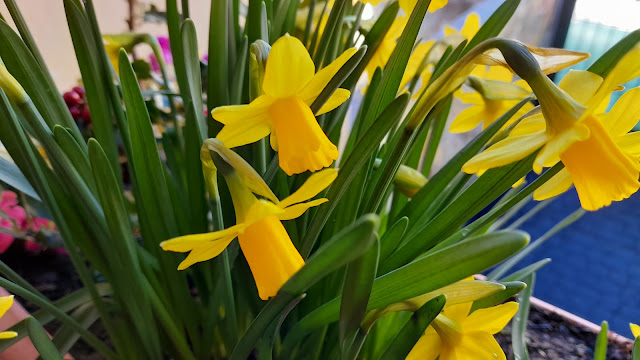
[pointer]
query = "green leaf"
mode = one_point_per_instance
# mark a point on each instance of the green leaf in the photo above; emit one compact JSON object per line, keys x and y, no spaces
{"x":193,"y":76}
{"x":41,"y":341}
{"x":608,"y":60}
{"x":174,"y":24}
{"x":511,"y":288}
{"x":494,"y":25}
{"x":351,"y":166}
{"x":25,"y":68}
{"x":424,"y":275}
{"x":331,"y":30}
{"x":76,"y":155}
{"x":413,"y":330}
{"x":600,"y":351}
{"x":636,"y":349}
{"x":154,"y":201}
{"x":355,"y":295}
{"x":127,"y":280}
{"x":521,"y":274}
{"x":519,"y":322}
{"x":89,"y":62}
{"x":392,"y":237}
{"x":64,"y":339}
{"x":11,"y":175}
{"x":218,"y":67}
{"x":343,"y":248}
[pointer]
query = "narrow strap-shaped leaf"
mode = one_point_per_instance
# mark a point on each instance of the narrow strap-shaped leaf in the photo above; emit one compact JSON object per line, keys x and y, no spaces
{"x":355,"y":295}
{"x":24,"y":67}
{"x":74,"y":152}
{"x":521,"y":274}
{"x":174,"y":23}
{"x":218,"y":66}
{"x":600,"y":351}
{"x":606,"y":62}
{"x":511,"y":288}
{"x":64,"y":339}
{"x":392,"y":237}
{"x":89,"y":64}
{"x":41,"y":341}
{"x":519,"y":322}
{"x":413,"y":330}
{"x":11,"y":175}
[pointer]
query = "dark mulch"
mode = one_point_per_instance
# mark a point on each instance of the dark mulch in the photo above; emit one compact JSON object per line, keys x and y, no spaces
{"x":551,"y":336}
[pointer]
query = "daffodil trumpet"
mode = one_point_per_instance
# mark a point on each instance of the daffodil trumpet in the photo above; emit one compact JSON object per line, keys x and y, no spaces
{"x":290,"y":86}
{"x":271,"y":255}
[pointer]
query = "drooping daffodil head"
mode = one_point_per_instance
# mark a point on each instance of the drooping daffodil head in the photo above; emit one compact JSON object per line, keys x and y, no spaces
{"x":267,"y":247}
{"x":283,"y":111}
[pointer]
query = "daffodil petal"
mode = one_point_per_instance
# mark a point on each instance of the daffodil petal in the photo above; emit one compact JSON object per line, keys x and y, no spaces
{"x":245,"y":132}
{"x":320,"y":80}
{"x":580,"y":84}
{"x":238,"y":113}
{"x":427,"y":347}
{"x":8,"y":335}
{"x":312,"y":187}
{"x":468,"y":119}
{"x":555,"y":186}
{"x":471,"y":26}
{"x":289,"y":68}
{"x":635,"y":330}
{"x":189,"y":242}
{"x":336,"y":99}
{"x":601,"y":172}
{"x":295,"y":211}
{"x":492,"y":319}
{"x":529,"y":125}
{"x":206,"y":252}
{"x":550,"y":153}
{"x":624,"y":115}
{"x":271,"y":255}
{"x":5,"y":304}
{"x":458,"y":312}
{"x":629,"y":143}
{"x":550,"y":60}
{"x":505,"y":152}
{"x":479,"y":345}
{"x":500,"y":74}
{"x":628,"y":68}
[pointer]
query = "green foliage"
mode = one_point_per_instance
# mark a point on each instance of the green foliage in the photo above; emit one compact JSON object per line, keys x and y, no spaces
{"x":368,"y":250}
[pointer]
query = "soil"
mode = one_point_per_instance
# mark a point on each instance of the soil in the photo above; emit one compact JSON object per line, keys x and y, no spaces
{"x":549,"y":336}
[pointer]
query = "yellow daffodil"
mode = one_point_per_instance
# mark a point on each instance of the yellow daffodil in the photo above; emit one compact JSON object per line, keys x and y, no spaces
{"x":388,"y":43}
{"x":290,"y":86}
{"x":618,"y":122}
{"x":5,"y":304}
{"x":456,"y":334}
{"x":487,"y":106}
{"x":635,"y":330}
{"x":572,"y":132}
{"x":271,"y":255}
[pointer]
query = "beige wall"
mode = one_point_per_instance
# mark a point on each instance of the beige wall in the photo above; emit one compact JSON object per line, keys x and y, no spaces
{"x":47,"y":22}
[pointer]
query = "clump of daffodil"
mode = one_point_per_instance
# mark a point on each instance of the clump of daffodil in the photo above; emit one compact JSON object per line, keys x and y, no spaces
{"x":493,"y":95}
{"x":456,"y":334}
{"x":635,"y":330}
{"x":271,"y":255}
{"x":289,"y":87}
{"x":573,"y":132}
{"x":5,"y":304}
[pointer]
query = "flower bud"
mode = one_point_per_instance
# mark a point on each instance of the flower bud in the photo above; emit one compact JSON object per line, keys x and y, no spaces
{"x":259,"y":53}
{"x":10,"y":85}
